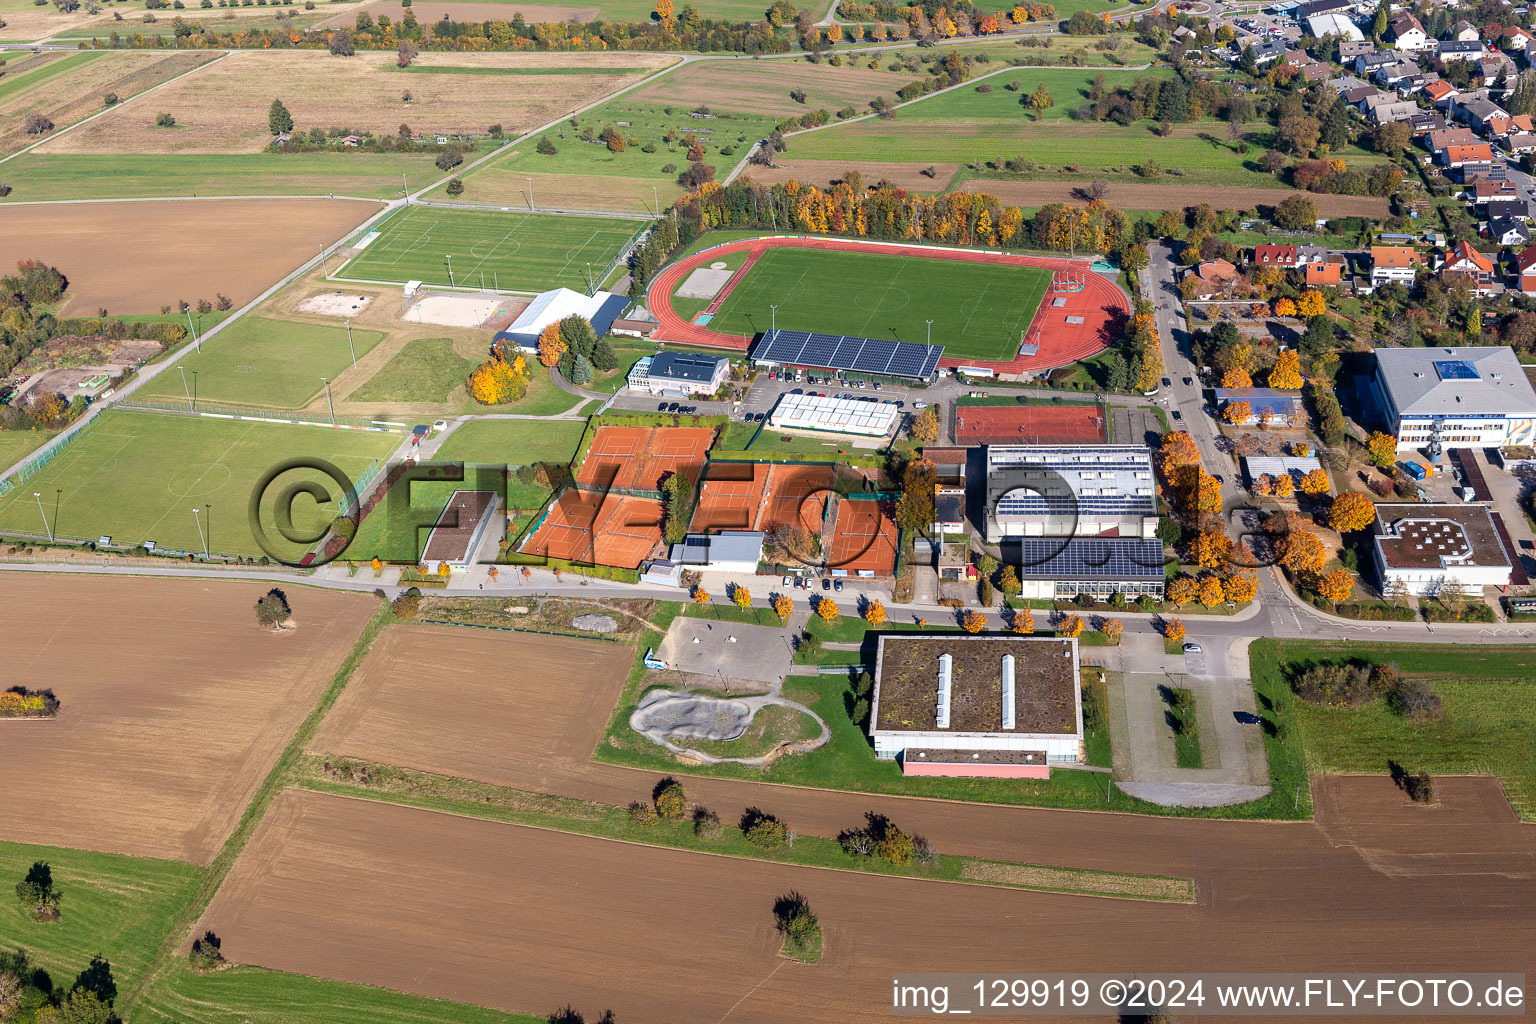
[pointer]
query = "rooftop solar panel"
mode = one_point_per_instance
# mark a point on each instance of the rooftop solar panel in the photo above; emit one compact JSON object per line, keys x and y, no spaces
{"x":1117,"y":558}
{"x":1456,"y":369}
{"x":837,"y":352}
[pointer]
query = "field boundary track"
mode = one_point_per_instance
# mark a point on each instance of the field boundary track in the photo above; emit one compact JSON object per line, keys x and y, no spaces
{"x":1101,"y":305}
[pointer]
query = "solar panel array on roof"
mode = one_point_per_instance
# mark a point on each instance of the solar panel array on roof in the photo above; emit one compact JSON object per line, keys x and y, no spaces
{"x":844,"y":352}
{"x":1124,"y":558}
{"x":1456,"y":369}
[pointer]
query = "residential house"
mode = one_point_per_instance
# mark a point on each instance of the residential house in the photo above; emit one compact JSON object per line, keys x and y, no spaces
{"x":1517,"y":39}
{"x":1392,"y":264}
{"x":1367,"y":63}
{"x":1454,"y":50}
{"x":1329,"y":272}
{"x":1359,"y":96}
{"x":1483,"y":192}
{"x":1459,"y":156}
{"x":1512,"y":209}
{"x":1525,"y":267}
{"x":1385,"y":108}
{"x":1274,"y":256}
{"x":1310,"y":253}
{"x":1267,"y":51}
{"x":1392,"y":75}
{"x":1465,"y":264}
{"x":1476,"y":110}
{"x":1349,"y":49}
{"x":1489,"y":68}
{"x":1426,"y":121}
{"x":1443,"y":138}
{"x":1520,"y":143}
{"x":1464,"y":32}
{"x":1344,"y":83}
{"x":1498,"y":127}
{"x":1213,"y":279}
{"x":1508,"y":231}
{"x":1406,"y":33}
{"x":1440,"y":92}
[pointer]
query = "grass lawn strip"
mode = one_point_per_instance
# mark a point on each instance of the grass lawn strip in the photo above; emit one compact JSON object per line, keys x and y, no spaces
{"x":426,"y":370}
{"x":1186,"y":730}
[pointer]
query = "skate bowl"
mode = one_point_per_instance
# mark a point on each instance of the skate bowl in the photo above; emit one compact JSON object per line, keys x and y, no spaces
{"x":675,"y":719}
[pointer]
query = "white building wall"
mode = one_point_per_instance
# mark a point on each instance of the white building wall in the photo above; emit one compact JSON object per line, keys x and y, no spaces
{"x":1057,"y":747}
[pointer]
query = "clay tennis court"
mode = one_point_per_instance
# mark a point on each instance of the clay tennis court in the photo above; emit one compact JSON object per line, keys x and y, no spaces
{"x":731,"y":497}
{"x":598,"y":529}
{"x":864,"y":538}
{"x":639,"y":457}
{"x":354,"y":890}
{"x":798,"y":496}
{"x":175,"y":706}
{"x":1067,"y":327}
{"x":1029,"y":424}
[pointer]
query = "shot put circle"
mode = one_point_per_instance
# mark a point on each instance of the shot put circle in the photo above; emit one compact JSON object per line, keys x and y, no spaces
{"x":199,"y":477}
{"x":882,"y":299}
{"x":717,"y":265}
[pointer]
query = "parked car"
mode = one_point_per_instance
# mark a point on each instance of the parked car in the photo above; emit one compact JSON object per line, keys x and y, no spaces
{"x":826,"y":584}
{"x":837,"y":585}
{"x":1192,"y":648}
{"x":1189,"y":380}
{"x":1167,"y":383}
{"x":789,"y":581}
{"x":1247,"y":718}
{"x":661,"y":406}
{"x":919,"y":405}
{"x":1177,"y":415}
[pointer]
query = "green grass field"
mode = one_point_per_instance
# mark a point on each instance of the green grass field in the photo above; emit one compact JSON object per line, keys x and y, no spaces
{"x":120,"y":907}
{"x":978,"y":310}
{"x":517,"y":251}
{"x":1490,"y":712}
{"x":136,"y":476}
{"x":425,"y":370}
{"x":16,"y":444}
{"x":514,"y":442}
{"x":36,"y":73}
{"x":268,"y":364}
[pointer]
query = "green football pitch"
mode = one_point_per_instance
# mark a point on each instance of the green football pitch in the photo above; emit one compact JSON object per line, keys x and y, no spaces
{"x":269,"y":364}
{"x":521,"y":252}
{"x":137,"y":476}
{"x":979,"y":310}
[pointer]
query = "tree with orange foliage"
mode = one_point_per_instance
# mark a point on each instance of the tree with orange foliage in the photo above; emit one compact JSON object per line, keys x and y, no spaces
{"x":1237,"y":412}
{"x":1336,"y":586}
{"x":1212,"y":593}
{"x":783,"y":605}
{"x":1315,"y":483}
{"x":1237,"y":377}
{"x":664,"y":9}
{"x":1023,"y":622}
{"x":1264,"y":485}
{"x":1173,"y":629}
{"x":1181,"y":590}
{"x":1383,"y":449}
{"x":700,"y":596}
{"x":1211,"y":549}
{"x":1177,"y":449}
{"x":1284,"y":307}
{"x":988,"y":26}
{"x":1240,"y":587}
{"x":1301,"y":552}
{"x":551,"y":345}
{"x":834,"y":32}
{"x":1112,"y":628}
{"x":874,"y":612}
{"x":827,"y":609}
{"x":1207,"y":494}
{"x":496,"y":381}
{"x":1351,"y":511}
{"x":1284,"y":486}
{"x":1072,"y":626}
{"x":1286,"y":373}
{"x":973,"y":621}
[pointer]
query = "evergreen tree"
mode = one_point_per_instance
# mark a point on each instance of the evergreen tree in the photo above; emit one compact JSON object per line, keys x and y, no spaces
{"x":1523,"y":99}
{"x":581,"y":370}
{"x":1379,"y":28}
{"x":1173,"y":100}
{"x":278,"y":118}
{"x":1335,"y":132}
{"x":603,"y":355}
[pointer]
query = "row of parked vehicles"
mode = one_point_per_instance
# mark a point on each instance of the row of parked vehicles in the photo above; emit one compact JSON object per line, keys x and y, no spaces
{"x":799,"y":376}
{"x":804,"y":583}
{"x":675,"y":407}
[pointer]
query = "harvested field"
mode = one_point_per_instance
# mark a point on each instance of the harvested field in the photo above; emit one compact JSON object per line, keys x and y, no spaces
{"x":34,"y":23}
{"x":71,"y":86}
{"x":501,"y":183}
{"x":431,"y":11}
{"x":1153,"y":887}
{"x":763,"y":87}
{"x":1172,"y":197}
{"x":355,"y":890}
{"x":100,"y":247}
{"x":223,"y":109}
{"x":823,"y":173}
{"x":521,"y":702}
{"x":174,"y":706}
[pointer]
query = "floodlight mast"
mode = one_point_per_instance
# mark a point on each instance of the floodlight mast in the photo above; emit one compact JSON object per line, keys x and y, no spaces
{"x":39,"y":496}
{"x":350,"y":346}
{"x":187,"y":390}
{"x":328,"y":401}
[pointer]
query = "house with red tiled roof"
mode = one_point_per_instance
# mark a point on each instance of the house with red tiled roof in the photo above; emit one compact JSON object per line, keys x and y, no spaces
{"x":1213,"y":279}
{"x":1464,"y":264}
{"x":1498,"y":127}
{"x":1392,"y":263}
{"x":1325,"y":273}
{"x":1439,"y":91}
{"x":1517,"y":39}
{"x":1274,"y":256}
{"x":1458,"y":156}
{"x":1525,"y":268}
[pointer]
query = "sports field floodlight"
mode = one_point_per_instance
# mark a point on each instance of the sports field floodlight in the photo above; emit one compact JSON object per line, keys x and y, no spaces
{"x":656,"y":200}
{"x":328,"y":401}
{"x":773,"y":318}
{"x":185,"y":389}
{"x":349,"y":345}
{"x":530,"y":191}
{"x":195,"y":339}
{"x":930,"y":331}
{"x":449,"y":258}
{"x":590,"y":286}
{"x":200,"y":537}
{"x":323,"y":265}
{"x":405,"y":189}
{"x":39,"y":496}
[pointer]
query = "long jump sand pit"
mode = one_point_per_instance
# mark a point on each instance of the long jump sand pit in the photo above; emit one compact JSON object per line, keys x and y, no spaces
{"x":202,"y":248}
{"x":525,"y":920}
{"x":522,"y":704}
{"x":175,"y":706}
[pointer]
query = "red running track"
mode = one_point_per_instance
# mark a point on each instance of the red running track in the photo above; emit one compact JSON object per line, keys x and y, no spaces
{"x":1101,"y":305}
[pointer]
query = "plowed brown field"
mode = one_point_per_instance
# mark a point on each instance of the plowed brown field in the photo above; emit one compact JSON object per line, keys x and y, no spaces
{"x":521,"y":703}
{"x":235,"y":246}
{"x":175,"y":706}
{"x":522,"y":919}
{"x":223,"y":109}
{"x":1172,"y":197}
{"x":763,"y":87}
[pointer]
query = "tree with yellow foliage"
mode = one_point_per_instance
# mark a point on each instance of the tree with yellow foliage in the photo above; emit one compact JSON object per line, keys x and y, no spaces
{"x":1023,"y":622}
{"x":1112,"y":628}
{"x":664,"y":9}
{"x":1207,"y":494}
{"x":700,"y":596}
{"x":1351,"y":511}
{"x":442,"y":570}
{"x":1173,"y":629}
{"x":1302,"y":552}
{"x":1211,"y":549}
{"x":1315,"y":482}
{"x":1240,"y":587}
{"x":973,"y":621}
{"x":1283,"y":307}
{"x":1311,"y":303}
{"x":874,"y":612}
{"x":551,"y":345}
{"x":1071,"y":626}
{"x":1284,"y":486}
{"x":1382,"y":448}
{"x":783,"y":606}
{"x":1019,"y":16}
{"x":1212,"y":593}
{"x":1286,"y":373}
{"x":741,"y":596}
{"x":1181,"y":590}
{"x":1237,"y":412}
{"x":1336,"y":586}
{"x":1301,"y":449}
{"x":1237,"y":377}
{"x":827,"y":609}
{"x":376,"y":565}
{"x":834,"y":32}
{"x":497,"y":381}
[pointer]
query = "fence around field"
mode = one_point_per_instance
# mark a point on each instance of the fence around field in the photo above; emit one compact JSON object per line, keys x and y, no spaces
{"x":44,"y":455}
{"x":263,"y":416}
{"x":622,"y":255}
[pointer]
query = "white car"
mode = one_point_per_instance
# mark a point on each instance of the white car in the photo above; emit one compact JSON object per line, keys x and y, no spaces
{"x":440,"y":425}
{"x":789,"y":581}
{"x":1191,"y":648}
{"x":919,"y":405}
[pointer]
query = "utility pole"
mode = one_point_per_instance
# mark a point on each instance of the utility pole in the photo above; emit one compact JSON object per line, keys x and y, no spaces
{"x":39,"y":496}
{"x":773,"y":319}
{"x":201,"y":539}
{"x":349,"y":345}
{"x":449,"y":258}
{"x":530,"y":192}
{"x":405,"y":189}
{"x":930,"y":331}
{"x":207,"y":524}
{"x":195,"y":339}
{"x":328,"y":401}
{"x":187,"y":390}
{"x":323,"y":265}
{"x":656,"y":200}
